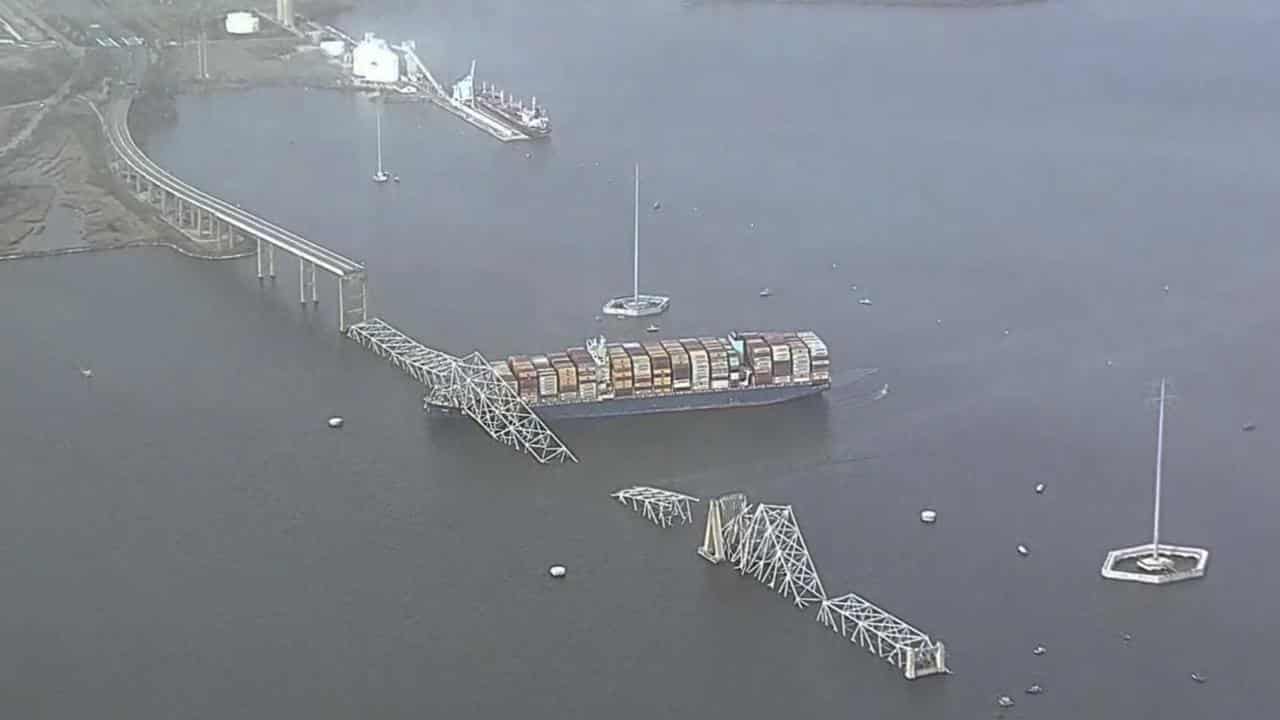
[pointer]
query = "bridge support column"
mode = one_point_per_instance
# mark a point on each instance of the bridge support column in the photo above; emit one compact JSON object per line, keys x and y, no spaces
{"x":352,"y":300}
{"x":259,"y":254}
{"x":164,"y":203}
{"x":315,"y":299}
{"x":271,"y":260}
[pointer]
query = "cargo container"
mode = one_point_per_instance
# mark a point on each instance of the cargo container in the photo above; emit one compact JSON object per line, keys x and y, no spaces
{"x":603,"y":379}
{"x":547,"y":383}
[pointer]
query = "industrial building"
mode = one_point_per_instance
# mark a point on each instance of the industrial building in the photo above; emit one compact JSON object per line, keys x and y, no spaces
{"x":374,"y":60}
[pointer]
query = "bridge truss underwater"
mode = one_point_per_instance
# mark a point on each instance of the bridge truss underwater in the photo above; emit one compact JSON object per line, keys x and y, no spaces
{"x":764,"y":541}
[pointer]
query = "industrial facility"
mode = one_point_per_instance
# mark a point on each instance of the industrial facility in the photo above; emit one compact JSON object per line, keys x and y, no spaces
{"x":373,"y":60}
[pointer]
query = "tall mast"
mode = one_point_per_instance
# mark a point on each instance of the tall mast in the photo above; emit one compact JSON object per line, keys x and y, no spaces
{"x":379,"y":106}
{"x":635,"y":266}
{"x":1155,"y":530}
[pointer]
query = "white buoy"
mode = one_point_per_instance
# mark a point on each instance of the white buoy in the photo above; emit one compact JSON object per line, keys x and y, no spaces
{"x":557,"y":571}
{"x":928,"y":517}
{"x":335,"y":422}
{"x":1023,"y":551}
{"x":1040,"y":489}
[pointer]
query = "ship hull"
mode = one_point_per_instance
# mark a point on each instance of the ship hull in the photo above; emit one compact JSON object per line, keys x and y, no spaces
{"x":677,"y":402}
{"x":510,"y":120}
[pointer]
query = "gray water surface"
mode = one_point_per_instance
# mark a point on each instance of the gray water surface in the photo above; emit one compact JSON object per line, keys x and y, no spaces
{"x":183,"y":537}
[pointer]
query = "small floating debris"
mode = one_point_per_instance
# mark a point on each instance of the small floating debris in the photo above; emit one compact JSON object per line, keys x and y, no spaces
{"x":1038,"y":650}
{"x":86,"y":372}
{"x":335,"y":422}
{"x":1126,"y":637}
{"x":1023,"y":551}
{"x":1199,"y":678}
{"x":395,"y":178}
{"x":834,"y":266}
{"x":599,"y":318}
{"x":864,"y":301}
{"x":928,"y":517}
{"x":1039,"y":488}
{"x":1034,"y":690}
{"x":657,"y":205}
{"x":528,"y":155}
{"x":1006,"y":331}
{"x":1108,"y":363}
{"x":1165,"y":289}
{"x":557,"y":571}
{"x":652,"y":328}
{"x":1004,"y":701}
{"x":1250,"y":427}
{"x":751,"y":226}
{"x":939,"y":321}
{"x":766,"y":292}
{"x":853,"y":288}
{"x":882,"y":392}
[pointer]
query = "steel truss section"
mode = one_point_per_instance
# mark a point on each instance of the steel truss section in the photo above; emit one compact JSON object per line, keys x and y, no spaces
{"x":772,"y":550}
{"x":467,"y":384}
{"x":661,"y":507}
{"x":884,"y":635}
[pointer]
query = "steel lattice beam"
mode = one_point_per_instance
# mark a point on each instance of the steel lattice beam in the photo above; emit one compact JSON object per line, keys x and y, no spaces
{"x":885,"y":635}
{"x":662,"y":507}
{"x":772,"y":550}
{"x":467,"y":384}
{"x":764,"y":541}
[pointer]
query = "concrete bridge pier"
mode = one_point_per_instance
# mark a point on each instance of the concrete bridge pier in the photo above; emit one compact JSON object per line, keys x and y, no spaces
{"x":352,"y":300}
{"x":306,"y":279}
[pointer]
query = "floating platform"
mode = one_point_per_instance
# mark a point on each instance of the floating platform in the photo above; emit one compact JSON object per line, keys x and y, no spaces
{"x":1143,"y":564}
{"x":637,"y":306}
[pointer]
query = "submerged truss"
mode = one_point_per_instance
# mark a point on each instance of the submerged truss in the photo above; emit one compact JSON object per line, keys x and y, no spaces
{"x":467,"y":384}
{"x":764,"y":541}
{"x":884,"y":635}
{"x":662,"y":507}
{"x":771,"y":549}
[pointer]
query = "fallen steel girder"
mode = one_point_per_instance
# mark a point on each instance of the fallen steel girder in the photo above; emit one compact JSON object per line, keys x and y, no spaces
{"x":772,"y":550}
{"x":885,"y":635}
{"x":661,"y":507}
{"x":466,"y":384}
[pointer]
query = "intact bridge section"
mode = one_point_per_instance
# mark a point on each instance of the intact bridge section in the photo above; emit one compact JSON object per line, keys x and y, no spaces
{"x":465,"y":384}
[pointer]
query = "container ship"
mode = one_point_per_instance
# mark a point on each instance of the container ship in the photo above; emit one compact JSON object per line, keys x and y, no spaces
{"x":603,"y":379}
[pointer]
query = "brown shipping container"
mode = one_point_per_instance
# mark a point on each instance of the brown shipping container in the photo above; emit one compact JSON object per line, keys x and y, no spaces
{"x":566,"y":375}
{"x":641,"y":371}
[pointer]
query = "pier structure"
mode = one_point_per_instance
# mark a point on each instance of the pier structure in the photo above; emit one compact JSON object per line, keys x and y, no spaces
{"x":661,"y":507}
{"x":459,"y":100}
{"x":1155,"y":563}
{"x":467,"y":385}
{"x":765,"y":542}
{"x":210,"y":220}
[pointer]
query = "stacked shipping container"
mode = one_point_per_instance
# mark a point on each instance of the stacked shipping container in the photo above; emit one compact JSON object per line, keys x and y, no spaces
{"x":671,"y":366}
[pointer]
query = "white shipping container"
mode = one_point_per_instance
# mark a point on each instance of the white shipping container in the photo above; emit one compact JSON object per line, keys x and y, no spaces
{"x":720,"y":384}
{"x":547,"y":383}
{"x":800,"y":367}
{"x":781,"y":353}
{"x":781,"y":379}
{"x":587,"y":390}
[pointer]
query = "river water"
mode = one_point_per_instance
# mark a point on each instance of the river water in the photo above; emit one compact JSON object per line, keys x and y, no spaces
{"x":183,"y":537}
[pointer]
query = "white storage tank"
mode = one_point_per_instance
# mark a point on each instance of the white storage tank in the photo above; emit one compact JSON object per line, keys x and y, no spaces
{"x":242,"y":23}
{"x":375,"y":61}
{"x":333,"y":48}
